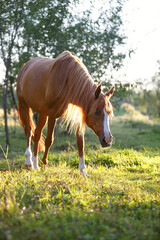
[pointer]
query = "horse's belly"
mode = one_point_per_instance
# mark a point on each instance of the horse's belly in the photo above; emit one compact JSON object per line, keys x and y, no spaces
{"x":36,"y":105}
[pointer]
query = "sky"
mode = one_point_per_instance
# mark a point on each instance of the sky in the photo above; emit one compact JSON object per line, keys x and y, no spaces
{"x":142,"y":27}
{"x":141,"y":20}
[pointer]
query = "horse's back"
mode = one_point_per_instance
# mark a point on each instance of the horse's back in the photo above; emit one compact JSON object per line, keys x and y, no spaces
{"x":34,"y":70}
{"x":32,"y":82}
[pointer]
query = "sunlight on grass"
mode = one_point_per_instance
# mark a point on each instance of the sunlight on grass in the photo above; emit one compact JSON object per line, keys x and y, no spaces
{"x":60,"y":190}
{"x":120,"y":200}
{"x":133,"y":114}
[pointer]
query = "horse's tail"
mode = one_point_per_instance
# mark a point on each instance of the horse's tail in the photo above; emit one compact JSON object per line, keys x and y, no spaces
{"x":26,"y":121}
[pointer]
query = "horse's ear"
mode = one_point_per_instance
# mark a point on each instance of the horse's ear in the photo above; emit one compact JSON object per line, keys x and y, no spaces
{"x":110,"y":92}
{"x":98,"y":91}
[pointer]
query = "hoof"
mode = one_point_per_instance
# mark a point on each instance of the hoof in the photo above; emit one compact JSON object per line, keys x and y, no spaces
{"x":44,"y":162}
{"x":84,"y":173}
{"x":36,"y":168}
{"x":29,"y":167}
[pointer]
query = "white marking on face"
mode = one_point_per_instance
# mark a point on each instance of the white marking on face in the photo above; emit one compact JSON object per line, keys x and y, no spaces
{"x":106,"y":127}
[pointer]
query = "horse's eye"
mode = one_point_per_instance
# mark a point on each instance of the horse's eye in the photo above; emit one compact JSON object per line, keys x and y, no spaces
{"x":97,"y":112}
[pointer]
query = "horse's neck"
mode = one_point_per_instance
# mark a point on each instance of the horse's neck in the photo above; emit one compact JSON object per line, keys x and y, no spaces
{"x":85,"y":99}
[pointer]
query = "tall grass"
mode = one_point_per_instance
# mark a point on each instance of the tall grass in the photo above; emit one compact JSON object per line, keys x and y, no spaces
{"x":120,"y":200}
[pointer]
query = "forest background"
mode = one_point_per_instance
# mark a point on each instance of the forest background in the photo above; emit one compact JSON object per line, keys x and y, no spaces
{"x":94,"y":33}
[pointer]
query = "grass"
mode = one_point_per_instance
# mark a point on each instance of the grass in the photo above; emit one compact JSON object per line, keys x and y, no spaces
{"x":120,"y":200}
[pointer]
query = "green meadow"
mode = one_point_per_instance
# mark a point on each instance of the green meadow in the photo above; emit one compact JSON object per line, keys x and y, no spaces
{"x":120,"y":200}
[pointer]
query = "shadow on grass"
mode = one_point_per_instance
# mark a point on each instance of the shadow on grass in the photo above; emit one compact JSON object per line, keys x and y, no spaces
{"x":115,"y":222}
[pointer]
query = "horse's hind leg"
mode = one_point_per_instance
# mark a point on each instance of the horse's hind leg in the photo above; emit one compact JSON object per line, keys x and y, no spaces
{"x":28,"y":152}
{"x":25,"y":113}
{"x":38,"y":132}
{"x":49,"y":138}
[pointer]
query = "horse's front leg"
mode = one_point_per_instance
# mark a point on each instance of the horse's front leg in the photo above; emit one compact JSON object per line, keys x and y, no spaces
{"x":80,"y":146}
{"x":41,"y":123}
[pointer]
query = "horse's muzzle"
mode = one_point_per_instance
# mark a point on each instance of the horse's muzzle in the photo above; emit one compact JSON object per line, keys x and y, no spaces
{"x":105,"y":142}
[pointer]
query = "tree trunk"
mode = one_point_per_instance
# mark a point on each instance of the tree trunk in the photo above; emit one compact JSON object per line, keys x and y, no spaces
{"x":5,"y":95}
{"x":14,"y":104}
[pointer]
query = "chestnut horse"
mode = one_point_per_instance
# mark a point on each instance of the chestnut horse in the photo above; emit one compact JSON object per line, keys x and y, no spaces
{"x":61,"y":87}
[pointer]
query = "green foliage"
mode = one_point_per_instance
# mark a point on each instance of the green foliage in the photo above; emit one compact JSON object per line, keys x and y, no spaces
{"x":49,"y":27}
{"x":121,"y":93}
{"x":95,"y":41}
{"x":30,"y":28}
{"x":120,"y":200}
{"x":11,"y":15}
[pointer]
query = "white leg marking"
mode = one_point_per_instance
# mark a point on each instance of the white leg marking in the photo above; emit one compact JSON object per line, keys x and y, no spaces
{"x":82,"y":166}
{"x":81,"y":163}
{"x":28,"y":154}
{"x":35,"y":162}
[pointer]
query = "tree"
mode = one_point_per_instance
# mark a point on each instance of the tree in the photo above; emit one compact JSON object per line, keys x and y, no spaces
{"x":19,"y":24}
{"x":30,"y":28}
{"x":54,"y":27}
{"x":96,"y":40}
{"x":10,"y":23}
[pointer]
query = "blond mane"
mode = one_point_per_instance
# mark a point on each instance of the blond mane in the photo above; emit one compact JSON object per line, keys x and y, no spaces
{"x":77,"y":87}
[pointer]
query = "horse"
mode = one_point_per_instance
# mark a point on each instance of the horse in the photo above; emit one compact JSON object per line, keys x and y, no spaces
{"x":55,"y":88}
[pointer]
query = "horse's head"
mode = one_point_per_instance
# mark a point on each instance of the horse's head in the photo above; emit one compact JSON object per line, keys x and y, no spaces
{"x":99,"y":114}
